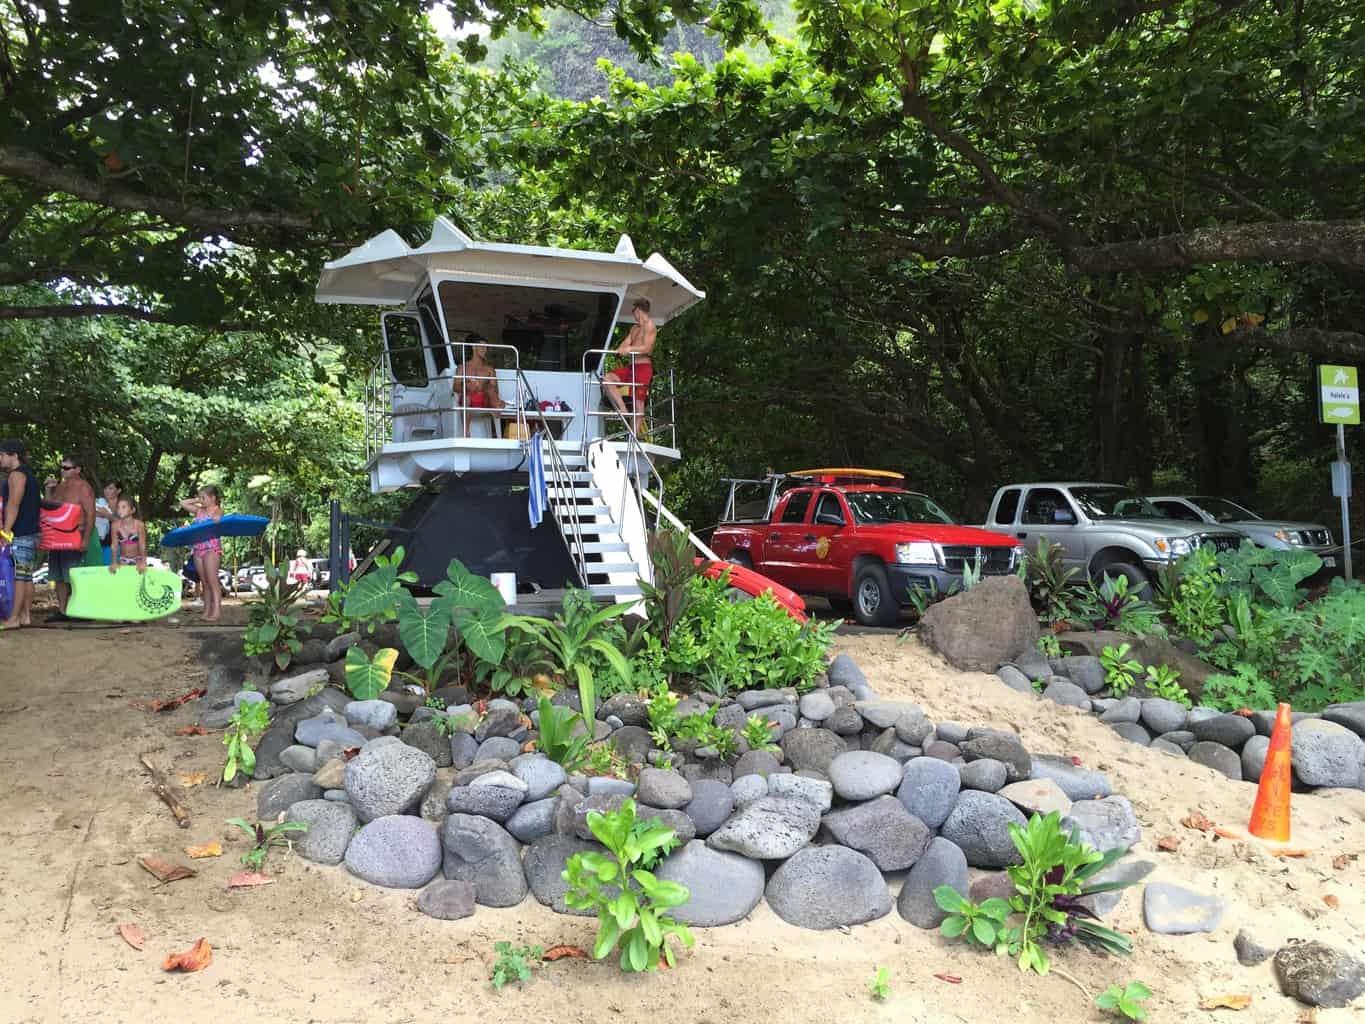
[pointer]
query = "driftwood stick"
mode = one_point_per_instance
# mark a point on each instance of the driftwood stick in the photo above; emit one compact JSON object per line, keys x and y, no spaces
{"x":164,"y":788}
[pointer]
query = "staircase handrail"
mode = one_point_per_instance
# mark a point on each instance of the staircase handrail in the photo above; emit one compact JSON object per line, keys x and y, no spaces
{"x":559,"y":472}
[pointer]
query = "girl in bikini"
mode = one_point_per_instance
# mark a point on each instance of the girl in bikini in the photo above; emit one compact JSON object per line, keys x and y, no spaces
{"x":208,"y":555}
{"x":127,"y":537}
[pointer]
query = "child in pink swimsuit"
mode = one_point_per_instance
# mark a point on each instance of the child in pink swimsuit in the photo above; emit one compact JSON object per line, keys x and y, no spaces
{"x":128,"y":537}
{"x":208,"y":555}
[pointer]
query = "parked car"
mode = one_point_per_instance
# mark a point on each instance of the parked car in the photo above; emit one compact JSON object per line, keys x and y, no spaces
{"x":856,"y":537}
{"x":245,"y":574}
{"x":322,"y":573}
{"x":1102,"y":529}
{"x":1266,"y":533}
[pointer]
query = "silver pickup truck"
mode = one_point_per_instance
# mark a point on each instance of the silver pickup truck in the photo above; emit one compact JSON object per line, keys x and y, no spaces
{"x":1266,"y":533}
{"x":1102,"y":529}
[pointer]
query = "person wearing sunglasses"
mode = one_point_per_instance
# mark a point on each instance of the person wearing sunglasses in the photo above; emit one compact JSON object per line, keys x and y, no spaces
{"x":73,"y":490}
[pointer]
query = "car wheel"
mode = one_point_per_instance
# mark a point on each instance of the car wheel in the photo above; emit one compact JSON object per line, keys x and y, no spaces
{"x":742,"y":559}
{"x":873,"y":602}
{"x":1139,"y":584}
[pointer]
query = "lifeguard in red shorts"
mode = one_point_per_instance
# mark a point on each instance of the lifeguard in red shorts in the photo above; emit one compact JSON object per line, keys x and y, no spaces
{"x":635,"y":376}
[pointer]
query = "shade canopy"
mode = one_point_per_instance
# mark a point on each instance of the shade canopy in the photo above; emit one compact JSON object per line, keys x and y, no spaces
{"x":386,"y":271}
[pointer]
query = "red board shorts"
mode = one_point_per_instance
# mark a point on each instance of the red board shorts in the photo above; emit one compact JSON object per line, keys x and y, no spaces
{"x":639,"y":374}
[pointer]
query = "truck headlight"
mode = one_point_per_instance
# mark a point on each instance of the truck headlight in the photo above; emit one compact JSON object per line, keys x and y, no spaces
{"x":1174,"y":547}
{"x":1017,"y":555}
{"x":917,"y":552}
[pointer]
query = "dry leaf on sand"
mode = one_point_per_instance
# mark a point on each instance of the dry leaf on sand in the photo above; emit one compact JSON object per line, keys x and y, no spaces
{"x":247,"y":879}
{"x":191,"y":779}
{"x":561,"y":952}
{"x":191,"y":730}
{"x":1168,"y":843}
{"x":165,"y":870}
{"x":1240,"y":1001}
{"x":196,"y":958}
{"x":1332,"y":901}
{"x":1196,"y":820}
{"x":951,"y":979}
{"x":213,"y":849}
{"x":132,"y":934}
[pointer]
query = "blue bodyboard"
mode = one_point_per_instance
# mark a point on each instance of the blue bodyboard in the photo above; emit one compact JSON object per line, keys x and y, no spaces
{"x":235,"y":525}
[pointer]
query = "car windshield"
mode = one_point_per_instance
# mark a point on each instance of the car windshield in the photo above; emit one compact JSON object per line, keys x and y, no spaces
{"x":1114,"y":503}
{"x":894,"y":507}
{"x":1224,"y":511}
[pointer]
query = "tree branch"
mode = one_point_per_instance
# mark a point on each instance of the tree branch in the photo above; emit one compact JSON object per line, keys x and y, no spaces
{"x":1313,"y":340}
{"x":110,"y":309}
{"x":1333,"y":243}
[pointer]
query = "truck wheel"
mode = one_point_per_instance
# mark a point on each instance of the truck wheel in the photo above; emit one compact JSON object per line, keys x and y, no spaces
{"x":873,"y":602}
{"x":741,"y":558}
{"x":1138,"y":583}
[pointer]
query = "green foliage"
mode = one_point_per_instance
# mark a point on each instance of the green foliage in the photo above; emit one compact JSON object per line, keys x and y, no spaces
{"x":921,"y":598}
{"x":1265,"y":575}
{"x":264,"y":837}
{"x":563,"y":735}
{"x":1049,"y":646}
{"x":524,"y":670}
{"x":246,"y":724}
{"x":879,"y":985}
{"x":366,"y":677}
{"x":513,"y":964}
{"x":1111,"y":605}
{"x":271,"y":627}
{"x":1164,"y":681}
{"x":1192,"y":595}
{"x":663,"y":716}
{"x":667,"y":598}
{"x":631,"y":903}
{"x":604,"y":759}
{"x":448,"y":725}
{"x":1120,"y":671}
{"x":373,"y":598}
{"x":758,"y":733}
{"x":1051,"y":584}
{"x":476,"y":608}
{"x":1125,"y":1000}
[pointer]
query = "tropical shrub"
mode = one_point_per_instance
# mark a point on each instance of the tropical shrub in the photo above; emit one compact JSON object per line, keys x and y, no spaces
{"x":272,"y":627}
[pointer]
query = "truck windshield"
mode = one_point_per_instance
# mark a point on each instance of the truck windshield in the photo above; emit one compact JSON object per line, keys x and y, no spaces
{"x":1114,"y":503}
{"x":894,"y":507}
{"x":1225,"y":511}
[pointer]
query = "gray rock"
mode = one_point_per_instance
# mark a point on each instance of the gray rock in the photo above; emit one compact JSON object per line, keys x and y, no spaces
{"x":376,"y":714}
{"x":599,"y":804}
{"x":1125,"y":869}
{"x":339,"y":645}
{"x":629,"y":708}
{"x":1181,"y":738}
{"x":327,"y":726}
{"x":1249,"y":951}
{"x":711,"y":771}
{"x":951,"y":732}
{"x":396,"y":851}
{"x":929,"y":789}
{"x":1037,"y":796}
{"x":483,"y":852}
{"x":1199,"y":714}
{"x":426,"y":737}
{"x":1014,"y":679}
{"x":433,"y":807}
{"x":941,"y":864}
{"x":1253,"y":757}
{"x":566,"y":813}
{"x":1167,"y":748}
{"x":1032,"y":664}
{"x":711,"y":804}
{"x":1067,"y":694}
{"x":819,"y":793}
{"x":811,"y":748}
{"x":298,"y":758}
{"x":844,"y":722}
{"x":1174,"y":910}
{"x":388,"y":777}
{"x":683,"y":829}
{"x":498,"y":748}
{"x":986,"y":775}
{"x":1077,"y":782}
{"x":828,"y":887}
{"x":604,"y":785}
{"x":1006,"y":749}
{"x":780,"y":720}
{"x":1129,"y":709}
{"x":844,"y":671}
{"x":942,"y":751}
{"x":862,"y":775}
{"x":748,"y":788}
{"x":979,"y":826}
{"x":756,"y":762}
{"x":633,"y":743}
{"x":501,"y":720}
{"x":817,"y":706}
{"x":501,"y":779}
{"x":496,"y":802}
{"x":1229,"y":730}
{"x":1218,"y":757}
{"x":883,"y":830}
{"x":1085,"y":671}
{"x":541,"y":775}
{"x":884,"y":713}
{"x":533,"y":820}
{"x":336,"y":796}
{"x":1133,"y":733}
{"x":295,"y":688}
{"x":913,"y":728}
{"x":330,"y":828}
{"x":278,"y":794}
{"x":1099,"y":705}
{"x":466,"y":776}
{"x":770,"y":828}
{"x":544,"y":866}
{"x":1317,"y":974}
{"x":1107,"y":824}
{"x":1351,"y":715}
{"x":731,"y":716}
{"x":464,"y":749}
{"x":252,"y":697}
{"x":751,"y":700}
{"x":723,"y":887}
{"x":447,"y":900}
{"x":1326,"y":754}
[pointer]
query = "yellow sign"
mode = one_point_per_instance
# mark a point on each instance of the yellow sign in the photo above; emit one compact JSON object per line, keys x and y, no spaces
{"x":822,"y":548}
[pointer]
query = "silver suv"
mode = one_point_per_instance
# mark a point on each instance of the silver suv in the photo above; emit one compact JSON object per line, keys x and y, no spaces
{"x":1102,"y":529}
{"x":1267,"y":533}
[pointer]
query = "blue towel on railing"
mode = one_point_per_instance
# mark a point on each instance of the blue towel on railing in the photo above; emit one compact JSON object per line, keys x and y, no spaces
{"x":539,"y":496}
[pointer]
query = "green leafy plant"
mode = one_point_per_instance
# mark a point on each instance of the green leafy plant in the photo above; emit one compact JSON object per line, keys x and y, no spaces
{"x":244,"y":727}
{"x":271,"y":627}
{"x":264,"y":837}
{"x":971,"y":573}
{"x":1049,"y":646}
{"x":1266,"y":575}
{"x":631,"y":903}
{"x":922,"y":598}
{"x":1164,"y":681}
{"x":675,"y":566}
{"x":979,"y":923}
{"x":758,"y":734}
{"x":563,"y":737}
{"x":366,"y":677}
{"x":663,"y":717}
{"x":372,"y":599}
{"x":334,"y":610}
{"x":1051,"y":584}
{"x":448,"y":725}
{"x":475,"y":607}
{"x":523,"y":671}
{"x":1120,"y":671}
{"x":1190,"y":591}
{"x":513,"y":963}
{"x":604,"y":759}
{"x":435,"y":703}
{"x":701,"y":728}
{"x":1112,"y":605}
{"x":879,"y":985}
{"x":1125,"y":1001}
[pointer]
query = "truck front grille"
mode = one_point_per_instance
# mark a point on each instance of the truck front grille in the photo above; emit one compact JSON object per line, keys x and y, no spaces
{"x":995,"y":561}
{"x":1315,"y":538}
{"x":1221,"y":541}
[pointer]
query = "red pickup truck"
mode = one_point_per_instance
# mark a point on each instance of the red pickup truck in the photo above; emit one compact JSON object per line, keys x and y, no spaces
{"x":856,"y":537}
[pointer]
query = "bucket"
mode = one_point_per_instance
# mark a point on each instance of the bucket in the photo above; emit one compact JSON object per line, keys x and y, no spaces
{"x":506,"y":582}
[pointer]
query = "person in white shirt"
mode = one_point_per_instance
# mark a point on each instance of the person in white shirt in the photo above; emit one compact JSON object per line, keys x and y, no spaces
{"x":105,"y":513}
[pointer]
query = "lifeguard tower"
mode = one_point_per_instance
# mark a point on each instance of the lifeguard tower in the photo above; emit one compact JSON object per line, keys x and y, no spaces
{"x":547,"y":318}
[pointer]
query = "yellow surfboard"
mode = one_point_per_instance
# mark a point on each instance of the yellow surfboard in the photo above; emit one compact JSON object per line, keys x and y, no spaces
{"x":123,"y":596}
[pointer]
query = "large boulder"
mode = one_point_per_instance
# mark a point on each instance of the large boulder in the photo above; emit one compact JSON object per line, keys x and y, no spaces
{"x":483,"y":852}
{"x":544,"y":869}
{"x":331,"y":826}
{"x":770,"y":828}
{"x":978,"y":630}
{"x":1153,"y":651}
{"x":811,"y":749}
{"x":929,"y":789}
{"x":711,"y":804}
{"x":1319,"y":975}
{"x":1107,"y":824}
{"x":397,"y":851}
{"x":881,"y":828}
{"x":1326,"y":754}
{"x":942,"y":864}
{"x":979,"y":826}
{"x":388,"y":777}
{"x":828,"y":887}
{"x":723,"y":887}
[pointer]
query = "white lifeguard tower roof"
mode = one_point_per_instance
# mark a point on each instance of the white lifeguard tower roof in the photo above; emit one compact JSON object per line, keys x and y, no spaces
{"x":386,"y":271}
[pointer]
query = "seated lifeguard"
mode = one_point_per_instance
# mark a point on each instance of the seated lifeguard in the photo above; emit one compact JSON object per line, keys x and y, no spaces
{"x":479,"y":379}
{"x":635,"y":376}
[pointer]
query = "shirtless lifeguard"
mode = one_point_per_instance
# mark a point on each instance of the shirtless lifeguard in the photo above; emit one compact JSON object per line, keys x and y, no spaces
{"x":635,"y":376}
{"x":480,"y":379}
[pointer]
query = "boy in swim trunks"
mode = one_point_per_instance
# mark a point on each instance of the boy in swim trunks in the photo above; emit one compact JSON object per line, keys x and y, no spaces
{"x":635,"y":376}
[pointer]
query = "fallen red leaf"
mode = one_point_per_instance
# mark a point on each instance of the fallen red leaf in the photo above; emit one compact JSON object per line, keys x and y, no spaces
{"x":350,"y":752}
{"x":1196,"y":820}
{"x":171,"y":703}
{"x":560,"y":952}
{"x":246,"y":879}
{"x":132,"y":934}
{"x":951,"y":979}
{"x":1168,"y":843}
{"x":1332,"y":901}
{"x":196,"y":958}
{"x":191,"y":730}
{"x":164,"y":870}
{"x":1075,"y":760}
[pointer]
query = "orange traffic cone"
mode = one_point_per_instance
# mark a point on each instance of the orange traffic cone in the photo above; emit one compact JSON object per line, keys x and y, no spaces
{"x":1270,"y":815}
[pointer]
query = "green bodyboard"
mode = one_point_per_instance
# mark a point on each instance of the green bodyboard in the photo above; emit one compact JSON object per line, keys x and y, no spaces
{"x":123,"y":596}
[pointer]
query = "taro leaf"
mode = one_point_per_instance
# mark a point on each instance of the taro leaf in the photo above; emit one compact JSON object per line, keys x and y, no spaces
{"x":484,"y":633}
{"x":424,"y":633}
{"x":371,"y":596}
{"x":366,"y":679}
{"x":461,"y":590}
